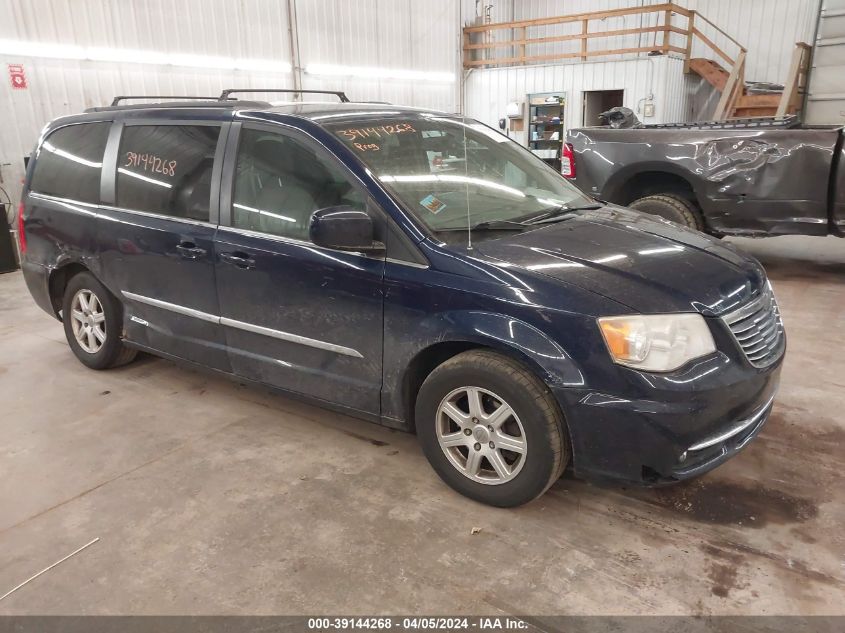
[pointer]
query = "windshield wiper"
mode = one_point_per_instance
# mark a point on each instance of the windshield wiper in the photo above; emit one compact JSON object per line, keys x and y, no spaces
{"x":492,"y":225}
{"x":555,"y":214}
{"x":563,"y":212}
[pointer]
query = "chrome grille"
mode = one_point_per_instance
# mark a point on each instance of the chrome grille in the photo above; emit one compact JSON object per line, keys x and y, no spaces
{"x":758,"y":329}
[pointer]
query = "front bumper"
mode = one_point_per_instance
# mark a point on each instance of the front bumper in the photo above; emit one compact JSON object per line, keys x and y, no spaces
{"x":674,"y":433}
{"x":712,"y":451}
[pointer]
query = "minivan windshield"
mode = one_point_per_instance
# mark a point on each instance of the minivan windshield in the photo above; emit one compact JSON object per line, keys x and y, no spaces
{"x":453,"y":172}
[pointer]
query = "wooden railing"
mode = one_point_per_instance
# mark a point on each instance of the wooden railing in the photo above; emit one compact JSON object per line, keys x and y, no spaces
{"x":480,"y":46}
{"x":694,"y":32}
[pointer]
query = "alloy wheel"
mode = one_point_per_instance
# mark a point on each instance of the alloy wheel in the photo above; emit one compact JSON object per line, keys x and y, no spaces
{"x":88,"y":321}
{"x":481,"y":435}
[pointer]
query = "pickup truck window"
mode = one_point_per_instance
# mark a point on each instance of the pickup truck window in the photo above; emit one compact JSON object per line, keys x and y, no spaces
{"x":69,"y":162}
{"x":451,"y":171}
{"x":166,"y":169}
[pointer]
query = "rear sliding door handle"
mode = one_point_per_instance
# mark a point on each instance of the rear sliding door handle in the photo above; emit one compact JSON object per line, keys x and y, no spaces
{"x":189,"y":250}
{"x":239,"y":259}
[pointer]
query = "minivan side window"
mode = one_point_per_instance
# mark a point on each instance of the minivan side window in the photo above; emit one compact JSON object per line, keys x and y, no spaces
{"x":69,"y":162}
{"x":166,"y":169}
{"x":280,"y":181}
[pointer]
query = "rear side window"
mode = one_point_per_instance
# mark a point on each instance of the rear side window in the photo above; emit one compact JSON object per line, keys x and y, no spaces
{"x":166,"y":169}
{"x":69,"y":162}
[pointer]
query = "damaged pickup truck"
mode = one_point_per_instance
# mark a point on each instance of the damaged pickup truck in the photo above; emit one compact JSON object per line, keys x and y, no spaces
{"x":752,"y":178}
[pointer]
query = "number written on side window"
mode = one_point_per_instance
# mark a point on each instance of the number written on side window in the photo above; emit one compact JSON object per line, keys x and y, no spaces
{"x":151,"y":162}
{"x":166,"y":169}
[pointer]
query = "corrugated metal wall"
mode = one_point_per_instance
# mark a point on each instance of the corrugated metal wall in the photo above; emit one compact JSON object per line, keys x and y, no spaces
{"x":406,"y":34}
{"x":398,"y":34}
{"x":826,"y":92}
{"x":767,"y":28}
{"x":489,"y":91}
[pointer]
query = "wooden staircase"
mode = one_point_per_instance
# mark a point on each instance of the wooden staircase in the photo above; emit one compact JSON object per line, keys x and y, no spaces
{"x":737,"y":102}
{"x":751,"y":105}
{"x":712,"y":72}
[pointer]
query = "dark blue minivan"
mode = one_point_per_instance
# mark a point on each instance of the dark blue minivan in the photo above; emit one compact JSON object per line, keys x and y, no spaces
{"x":413,"y":268}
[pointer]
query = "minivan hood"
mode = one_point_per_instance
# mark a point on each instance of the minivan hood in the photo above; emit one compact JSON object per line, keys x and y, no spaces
{"x":646,"y":263}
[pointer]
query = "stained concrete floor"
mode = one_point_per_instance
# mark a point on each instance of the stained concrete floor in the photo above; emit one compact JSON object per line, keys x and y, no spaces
{"x":209,"y":497}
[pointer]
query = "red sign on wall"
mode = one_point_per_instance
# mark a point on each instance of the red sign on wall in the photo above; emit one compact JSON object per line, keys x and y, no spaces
{"x":17,"y":76}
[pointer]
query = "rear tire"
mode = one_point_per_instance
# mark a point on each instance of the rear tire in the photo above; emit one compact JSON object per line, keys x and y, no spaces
{"x":507,"y":448}
{"x":671,"y":207}
{"x":93,"y":320}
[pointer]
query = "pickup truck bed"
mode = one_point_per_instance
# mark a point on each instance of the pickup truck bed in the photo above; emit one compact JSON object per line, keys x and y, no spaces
{"x":756,"y":178}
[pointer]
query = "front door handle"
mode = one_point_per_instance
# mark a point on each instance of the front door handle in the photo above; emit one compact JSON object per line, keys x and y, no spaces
{"x":189,"y":250}
{"x":239,"y":259}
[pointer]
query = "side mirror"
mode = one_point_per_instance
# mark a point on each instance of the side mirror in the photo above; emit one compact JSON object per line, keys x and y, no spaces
{"x":343,"y":228}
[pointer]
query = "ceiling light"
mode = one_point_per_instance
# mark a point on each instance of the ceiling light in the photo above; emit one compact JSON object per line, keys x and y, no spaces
{"x":263,"y":65}
{"x":372,"y":72}
{"x":130,"y":56}
{"x":36,"y":49}
{"x":201,"y":61}
{"x":123,"y":55}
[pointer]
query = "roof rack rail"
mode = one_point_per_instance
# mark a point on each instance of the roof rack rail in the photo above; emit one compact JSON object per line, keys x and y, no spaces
{"x":339,"y":94}
{"x":116,"y":101}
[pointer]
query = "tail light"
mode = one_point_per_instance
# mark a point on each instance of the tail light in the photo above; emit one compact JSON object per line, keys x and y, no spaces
{"x":567,"y":161}
{"x":21,"y":234}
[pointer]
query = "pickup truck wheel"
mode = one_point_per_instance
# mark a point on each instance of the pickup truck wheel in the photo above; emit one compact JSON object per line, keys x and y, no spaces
{"x":92,"y":322}
{"x":491,"y":429}
{"x":672,"y":207}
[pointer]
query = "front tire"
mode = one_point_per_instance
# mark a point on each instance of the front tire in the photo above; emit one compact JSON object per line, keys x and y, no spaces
{"x":92,"y":320}
{"x":491,"y":429}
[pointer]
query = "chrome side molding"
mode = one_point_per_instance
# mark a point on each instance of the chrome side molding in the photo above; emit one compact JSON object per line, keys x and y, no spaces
{"x":287,"y":336}
{"x":172,"y":307}
{"x":241,"y":325}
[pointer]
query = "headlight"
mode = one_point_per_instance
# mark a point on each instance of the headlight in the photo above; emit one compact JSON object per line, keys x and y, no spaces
{"x":656,"y":342}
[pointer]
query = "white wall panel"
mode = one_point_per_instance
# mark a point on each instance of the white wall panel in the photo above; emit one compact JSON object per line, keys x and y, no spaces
{"x":489,"y":91}
{"x":826,"y":92}
{"x":398,"y":34}
{"x":387,"y":33}
{"x":767,"y":28}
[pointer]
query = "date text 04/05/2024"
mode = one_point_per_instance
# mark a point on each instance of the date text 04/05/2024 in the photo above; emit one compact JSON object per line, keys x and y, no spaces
{"x":418,"y":623}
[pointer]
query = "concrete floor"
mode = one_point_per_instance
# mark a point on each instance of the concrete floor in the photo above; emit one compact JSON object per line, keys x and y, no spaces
{"x":209,"y":497}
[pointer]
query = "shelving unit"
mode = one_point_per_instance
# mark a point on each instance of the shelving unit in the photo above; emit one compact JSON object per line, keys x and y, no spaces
{"x":545,"y":126}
